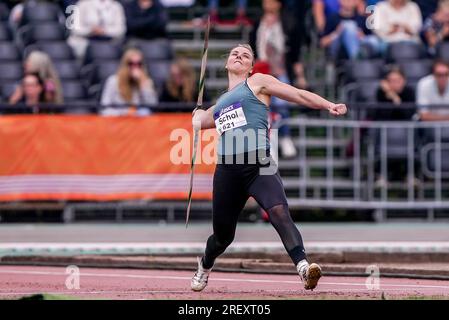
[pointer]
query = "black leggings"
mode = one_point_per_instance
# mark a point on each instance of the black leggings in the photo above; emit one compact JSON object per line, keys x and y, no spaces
{"x":233,"y":185}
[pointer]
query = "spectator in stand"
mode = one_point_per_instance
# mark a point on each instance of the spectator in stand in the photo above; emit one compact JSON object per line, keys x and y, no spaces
{"x":33,"y":92}
{"x":322,"y":9}
{"x":345,"y":31}
{"x":393,"y":89}
{"x":293,"y":23}
{"x":436,"y":27}
{"x":270,"y":41}
{"x":396,"y":21}
{"x":96,"y":20}
{"x":39,"y":62}
{"x":130,"y":87}
{"x":434,"y":90}
{"x":181,"y":84}
{"x":146,"y":19}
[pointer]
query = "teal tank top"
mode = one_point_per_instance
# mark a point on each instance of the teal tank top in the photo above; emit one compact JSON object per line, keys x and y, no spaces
{"x":241,"y":119}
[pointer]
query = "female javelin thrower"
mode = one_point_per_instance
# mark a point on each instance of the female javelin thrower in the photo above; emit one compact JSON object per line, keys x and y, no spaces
{"x":242,"y":109}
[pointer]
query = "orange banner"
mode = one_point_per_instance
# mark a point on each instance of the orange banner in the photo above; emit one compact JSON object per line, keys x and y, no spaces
{"x":102,"y":158}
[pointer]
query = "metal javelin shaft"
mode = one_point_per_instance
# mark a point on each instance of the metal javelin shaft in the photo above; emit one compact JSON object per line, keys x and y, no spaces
{"x":198,"y":104}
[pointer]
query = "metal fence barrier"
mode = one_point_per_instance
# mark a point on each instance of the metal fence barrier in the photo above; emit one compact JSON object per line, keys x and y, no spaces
{"x":350,"y":164}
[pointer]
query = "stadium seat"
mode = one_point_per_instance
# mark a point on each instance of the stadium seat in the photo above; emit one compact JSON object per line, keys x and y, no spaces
{"x":5,"y":35}
{"x":402,"y":51}
{"x":8,"y":52}
{"x":362,"y":92}
{"x":67,"y":70}
{"x":7,"y":89}
{"x":396,"y":139}
{"x":43,"y":32}
{"x":159,"y":49}
{"x":73,"y":91}
{"x":56,"y":50}
{"x":37,"y":12}
{"x":10,"y":71}
{"x":429,"y":135}
{"x":4,"y":12}
{"x":104,"y":69}
{"x":159,"y":72}
{"x":430,"y":161}
{"x":443,"y":51}
{"x":102,"y":50}
{"x":416,"y":69}
{"x":363,"y":70}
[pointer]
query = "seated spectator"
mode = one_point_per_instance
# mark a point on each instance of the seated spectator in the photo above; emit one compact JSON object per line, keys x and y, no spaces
{"x":436,"y":27}
{"x":40,"y":63}
{"x":393,"y":89}
{"x":345,"y":30}
{"x":434,"y":90}
{"x":181,"y":84}
{"x":322,"y":9}
{"x":96,"y":20}
{"x":146,"y":19}
{"x":396,"y":21}
{"x":33,"y":92}
{"x":130,"y":87}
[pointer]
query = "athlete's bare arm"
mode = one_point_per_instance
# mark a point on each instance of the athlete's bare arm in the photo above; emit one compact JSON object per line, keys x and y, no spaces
{"x":204,"y":119}
{"x":268,"y":85}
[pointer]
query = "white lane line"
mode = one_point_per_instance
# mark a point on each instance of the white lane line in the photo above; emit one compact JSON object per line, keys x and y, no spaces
{"x":348,"y":245}
{"x":120,"y":275}
{"x":188,"y":291}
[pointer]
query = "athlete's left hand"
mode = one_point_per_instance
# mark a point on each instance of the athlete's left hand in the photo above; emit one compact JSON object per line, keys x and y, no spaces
{"x":337,"y":109}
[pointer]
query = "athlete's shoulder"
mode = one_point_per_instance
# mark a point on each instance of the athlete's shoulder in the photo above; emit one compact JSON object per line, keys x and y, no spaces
{"x":261,"y":79}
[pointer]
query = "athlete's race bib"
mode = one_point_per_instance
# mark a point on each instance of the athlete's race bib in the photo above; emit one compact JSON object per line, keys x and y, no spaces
{"x":230,"y":118}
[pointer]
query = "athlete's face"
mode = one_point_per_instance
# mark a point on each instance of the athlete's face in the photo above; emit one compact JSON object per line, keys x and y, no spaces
{"x":240,"y":60}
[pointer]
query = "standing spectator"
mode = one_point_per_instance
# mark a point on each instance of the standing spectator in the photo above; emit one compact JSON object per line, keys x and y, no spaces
{"x":146,"y":19}
{"x":436,"y":27}
{"x":39,"y":62}
{"x":434,"y":90}
{"x":96,"y":20}
{"x":270,"y":40}
{"x":345,"y":30}
{"x":181,"y":84}
{"x":293,"y":20}
{"x":33,"y":92}
{"x":130,"y":86}
{"x":396,"y":21}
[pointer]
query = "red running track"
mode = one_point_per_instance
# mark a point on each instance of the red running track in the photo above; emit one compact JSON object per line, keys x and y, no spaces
{"x":18,"y":281}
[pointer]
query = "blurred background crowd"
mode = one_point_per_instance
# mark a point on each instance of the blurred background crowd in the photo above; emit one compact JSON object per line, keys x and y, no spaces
{"x":118,"y":57}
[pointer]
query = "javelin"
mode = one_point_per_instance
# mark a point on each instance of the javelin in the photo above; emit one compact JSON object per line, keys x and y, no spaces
{"x":199,"y":105}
